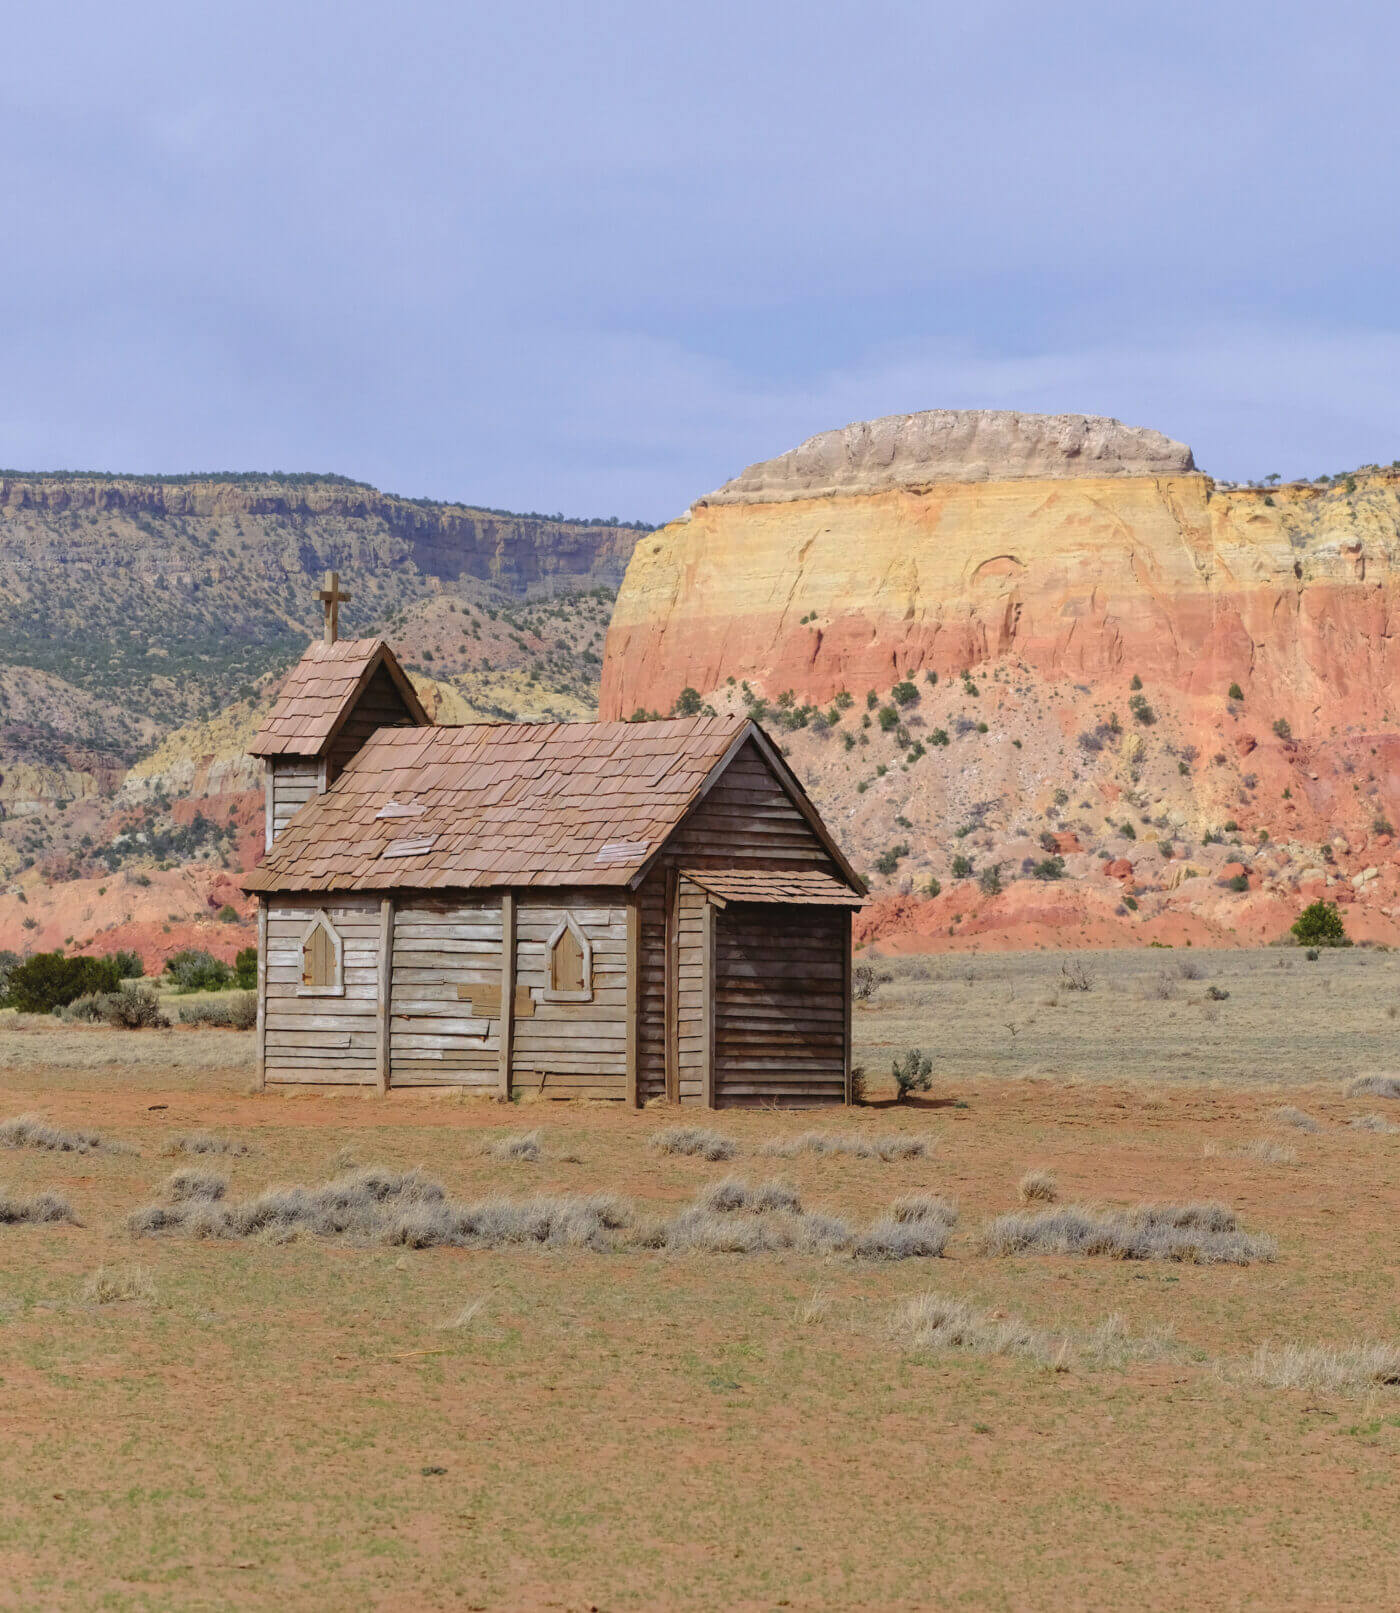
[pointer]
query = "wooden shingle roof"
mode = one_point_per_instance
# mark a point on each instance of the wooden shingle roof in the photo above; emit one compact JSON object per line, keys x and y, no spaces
{"x":803,"y":886}
{"x":506,"y":804}
{"x":320,"y":692}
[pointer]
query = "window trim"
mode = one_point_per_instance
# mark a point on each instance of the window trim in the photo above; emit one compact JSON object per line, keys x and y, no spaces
{"x":337,"y":988}
{"x":549,"y":994}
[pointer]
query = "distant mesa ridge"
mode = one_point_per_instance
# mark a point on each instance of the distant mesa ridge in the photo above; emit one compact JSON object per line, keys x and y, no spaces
{"x":955,"y":445}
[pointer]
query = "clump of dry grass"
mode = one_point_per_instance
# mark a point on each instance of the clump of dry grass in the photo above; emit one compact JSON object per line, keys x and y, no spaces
{"x":517,"y":1145}
{"x":694,"y":1140}
{"x":465,"y":1316}
{"x":824,"y":1143}
{"x":917,"y":1227}
{"x":731,"y":1196}
{"x":924,"y":1207}
{"x":1289,"y":1116}
{"x":1374,"y":1086}
{"x":1038,"y":1187}
{"x":1350,"y":1369}
{"x":398,"y":1208}
{"x":1263,"y":1149}
{"x":118,"y":1285}
{"x":203,"y":1142}
{"x":187,"y":1185}
{"x":936,"y":1322}
{"x":31,"y":1131}
{"x":1373,"y":1123}
{"x":43,"y":1209}
{"x":408,"y":1210}
{"x":1202,"y":1234}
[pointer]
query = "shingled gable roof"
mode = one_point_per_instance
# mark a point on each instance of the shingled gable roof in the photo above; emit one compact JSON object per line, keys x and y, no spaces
{"x":320,"y":693}
{"x":513,"y":804}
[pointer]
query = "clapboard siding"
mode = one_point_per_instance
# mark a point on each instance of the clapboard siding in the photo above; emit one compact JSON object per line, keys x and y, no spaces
{"x":439,"y":945}
{"x":572,"y":1048}
{"x":692,"y":1028}
{"x":380,"y":706}
{"x":331,"y":1040}
{"x":651,"y":988}
{"x":292,"y":781}
{"x":748,"y":820}
{"x":780,"y":1005}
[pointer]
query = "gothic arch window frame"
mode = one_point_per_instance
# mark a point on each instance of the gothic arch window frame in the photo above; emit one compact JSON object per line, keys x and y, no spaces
{"x":552,"y":993}
{"x":336,"y":988}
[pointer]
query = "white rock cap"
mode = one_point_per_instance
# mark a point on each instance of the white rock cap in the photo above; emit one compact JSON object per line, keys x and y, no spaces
{"x":956,"y":445}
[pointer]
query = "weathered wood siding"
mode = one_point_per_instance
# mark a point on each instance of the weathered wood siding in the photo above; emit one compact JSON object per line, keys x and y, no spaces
{"x":651,"y":988}
{"x":439,"y":945}
{"x":380,"y":706}
{"x":780,"y":1005}
{"x":692,"y":1005}
{"x":327,"y":1040}
{"x":748,"y":820}
{"x":572,"y":1049}
{"x":292,"y":781}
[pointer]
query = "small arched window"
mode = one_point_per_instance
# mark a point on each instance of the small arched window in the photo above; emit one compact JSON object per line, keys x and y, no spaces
{"x":322,"y":960}
{"x":569,"y":956}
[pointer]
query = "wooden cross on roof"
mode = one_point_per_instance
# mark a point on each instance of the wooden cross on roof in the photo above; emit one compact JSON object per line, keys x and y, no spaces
{"x":331,"y":600}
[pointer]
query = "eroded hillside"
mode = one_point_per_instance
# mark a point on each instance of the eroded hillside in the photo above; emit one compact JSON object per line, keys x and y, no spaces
{"x":1213,"y":668}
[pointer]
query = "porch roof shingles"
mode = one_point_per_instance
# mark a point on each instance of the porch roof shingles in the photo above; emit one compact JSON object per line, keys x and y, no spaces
{"x":510,"y":803}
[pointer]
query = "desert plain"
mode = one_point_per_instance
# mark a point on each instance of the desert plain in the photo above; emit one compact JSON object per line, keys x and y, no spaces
{"x":297,"y":1421}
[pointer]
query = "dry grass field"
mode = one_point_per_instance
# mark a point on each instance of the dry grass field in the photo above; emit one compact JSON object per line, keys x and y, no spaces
{"x":295,"y":1420}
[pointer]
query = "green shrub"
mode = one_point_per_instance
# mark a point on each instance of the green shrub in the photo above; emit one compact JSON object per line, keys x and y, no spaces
{"x":687,"y":703}
{"x":1320,"y":925}
{"x":49,"y":980}
{"x":934,"y":886}
{"x":1051,"y":868}
{"x":135,"y":1008}
{"x":227,"y":914}
{"x":1140,"y":709}
{"x":1381,"y":826}
{"x":129,"y":964}
{"x":912,"y":1073}
{"x":905,"y":693}
{"x":1282,"y":729}
{"x":962,"y":867}
{"x":990,"y":880}
{"x":245,"y":969}
{"x":9,"y":962}
{"x":194,"y":970}
{"x":889,"y":718}
{"x":1237,"y":882}
{"x":1136,"y":683}
{"x":938,"y":737}
{"x":888,"y":860}
{"x":1236,"y":693}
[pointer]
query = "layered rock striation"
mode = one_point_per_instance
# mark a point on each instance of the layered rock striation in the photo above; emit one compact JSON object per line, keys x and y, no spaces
{"x":1080,"y":548}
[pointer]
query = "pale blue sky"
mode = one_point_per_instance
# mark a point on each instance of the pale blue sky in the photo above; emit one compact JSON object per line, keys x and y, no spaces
{"x":598,"y":258}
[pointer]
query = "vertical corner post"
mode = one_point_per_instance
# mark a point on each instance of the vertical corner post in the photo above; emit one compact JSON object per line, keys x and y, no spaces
{"x":261,"y":1079}
{"x":707,"y":1012}
{"x":634,"y":993}
{"x":848,"y":928}
{"x":673,"y":973}
{"x":507,"y":992}
{"x":383,"y":1043}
